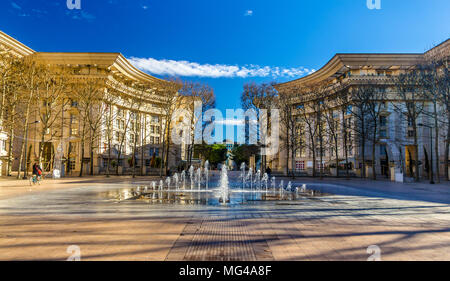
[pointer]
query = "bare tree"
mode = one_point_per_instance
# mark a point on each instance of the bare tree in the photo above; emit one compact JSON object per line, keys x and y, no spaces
{"x":443,"y":83}
{"x":434,"y":77}
{"x":10,"y":98}
{"x":333,"y":129}
{"x":110,"y":99}
{"x":51,"y":99}
{"x":191,"y":93}
{"x":292,"y":135}
{"x":257,"y":97}
{"x":412,"y":98}
{"x":376,"y":103}
{"x":169,"y":92}
{"x":141,"y":95}
{"x":29,"y":79}
{"x":88,"y":92}
{"x":359,"y":108}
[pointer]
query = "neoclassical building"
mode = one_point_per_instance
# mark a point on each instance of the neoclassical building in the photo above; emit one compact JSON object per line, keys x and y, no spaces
{"x":394,"y":146}
{"x":129,"y":115}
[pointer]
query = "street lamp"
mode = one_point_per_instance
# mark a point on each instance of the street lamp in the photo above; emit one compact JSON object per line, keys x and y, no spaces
{"x":431,"y":149}
{"x":25,"y":173}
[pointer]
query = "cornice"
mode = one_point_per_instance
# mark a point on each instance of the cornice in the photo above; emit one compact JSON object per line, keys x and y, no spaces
{"x":15,"y":46}
{"x":344,"y":62}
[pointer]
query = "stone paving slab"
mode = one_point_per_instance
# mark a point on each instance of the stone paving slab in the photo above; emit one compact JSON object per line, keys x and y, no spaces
{"x":41,"y":225}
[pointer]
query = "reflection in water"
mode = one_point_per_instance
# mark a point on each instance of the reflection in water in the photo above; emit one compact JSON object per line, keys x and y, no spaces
{"x":205,"y":197}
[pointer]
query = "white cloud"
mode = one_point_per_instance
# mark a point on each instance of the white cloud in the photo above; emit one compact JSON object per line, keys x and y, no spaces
{"x":189,"y":69}
{"x":230,"y":122}
{"x":15,"y":6}
{"x":80,"y":15}
{"x":248,"y":13}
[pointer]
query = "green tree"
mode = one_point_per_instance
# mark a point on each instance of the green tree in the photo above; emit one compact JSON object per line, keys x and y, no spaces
{"x":242,"y":153}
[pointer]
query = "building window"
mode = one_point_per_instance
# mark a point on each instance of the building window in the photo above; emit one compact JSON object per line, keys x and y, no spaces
{"x":383,"y":133}
{"x":410,"y":133}
{"x":3,"y":145}
{"x":410,"y":122}
{"x":300,"y":165}
{"x":383,"y":150}
{"x":383,"y":121}
{"x":72,"y":164}
{"x":349,"y":110}
{"x":157,"y":140}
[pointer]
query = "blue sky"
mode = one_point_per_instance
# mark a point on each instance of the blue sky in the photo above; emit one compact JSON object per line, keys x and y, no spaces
{"x":234,"y":41}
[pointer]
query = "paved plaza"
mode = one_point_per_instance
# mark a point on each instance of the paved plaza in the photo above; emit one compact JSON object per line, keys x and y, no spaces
{"x":405,"y":221}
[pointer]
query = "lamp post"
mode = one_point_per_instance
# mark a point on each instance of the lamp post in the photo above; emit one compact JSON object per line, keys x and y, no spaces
{"x":25,"y":171}
{"x":431,"y":150}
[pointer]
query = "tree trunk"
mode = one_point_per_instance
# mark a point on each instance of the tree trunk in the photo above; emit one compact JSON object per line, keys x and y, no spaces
{"x":293,"y":166}
{"x":10,"y":151}
{"x":314,"y":160}
{"x":345,"y":146}
{"x":416,"y":156}
{"x":336,"y":151}
{"x":23,"y":149}
{"x":108,"y":164}
{"x":374,"y":144}
{"x":167,"y":159}
{"x":92,"y":159}
{"x":41,"y":147}
{"x":134,"y":156}
{"x":436,"y":144}
{"x":81,"y":158}
{"x":118,"y":158}
{"x":447,"y":150}
{"x":287,"y":157}
{"x":363,"y":154}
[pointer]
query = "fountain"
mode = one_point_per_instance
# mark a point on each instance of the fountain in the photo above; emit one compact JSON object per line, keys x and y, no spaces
{"x":191,"y":175}
{"x":207,"y":174}
{"x":272,"y":183}
{"x":258,"y":180}
{"x":198,"y":178}
{"x":168,"y":180}
{"x":304,"y":188}
{"x":224,"y":188}
{"x":183,"y":177}
{"x":281,"y":187}
{"x":265,"y":179}
{"x":175,"y":178}
{"x":251,"y":187}
{"x":243,"y":174}
{"x":289,"y":187}
{"x":249,"y":177}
